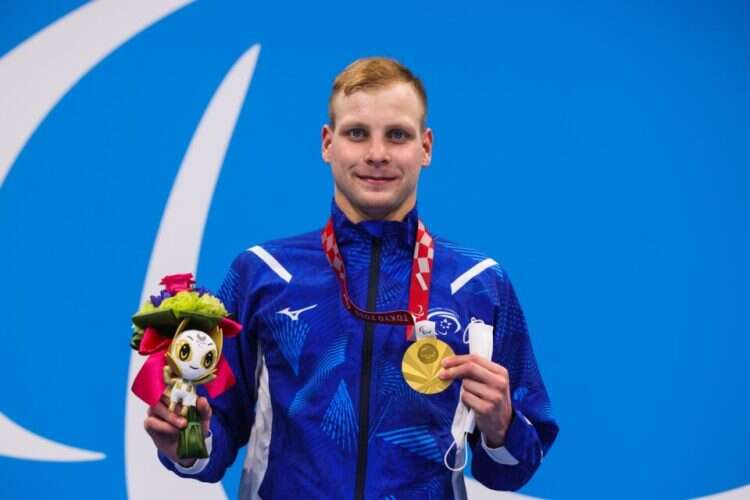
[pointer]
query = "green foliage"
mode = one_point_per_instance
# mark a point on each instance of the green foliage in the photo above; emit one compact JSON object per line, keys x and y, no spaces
{"x":185,"y":302}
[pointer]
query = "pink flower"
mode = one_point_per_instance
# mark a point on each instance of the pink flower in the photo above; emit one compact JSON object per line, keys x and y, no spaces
{"x":178,"y":282}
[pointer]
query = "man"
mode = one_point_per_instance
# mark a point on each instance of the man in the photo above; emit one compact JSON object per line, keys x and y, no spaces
{"x":320,"y":392}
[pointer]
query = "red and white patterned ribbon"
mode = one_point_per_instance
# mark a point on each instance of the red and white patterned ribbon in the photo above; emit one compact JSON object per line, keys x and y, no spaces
{"x":419,"y":287}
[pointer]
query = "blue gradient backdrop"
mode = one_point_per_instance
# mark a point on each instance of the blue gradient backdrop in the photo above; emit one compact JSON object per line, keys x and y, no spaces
{"x":598,"y":150}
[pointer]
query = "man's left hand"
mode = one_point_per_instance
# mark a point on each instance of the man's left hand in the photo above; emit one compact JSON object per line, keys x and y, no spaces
{"x":486,"y":390}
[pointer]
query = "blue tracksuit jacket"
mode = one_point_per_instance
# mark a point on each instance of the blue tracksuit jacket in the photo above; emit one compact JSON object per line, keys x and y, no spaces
{"x":319,"y":393}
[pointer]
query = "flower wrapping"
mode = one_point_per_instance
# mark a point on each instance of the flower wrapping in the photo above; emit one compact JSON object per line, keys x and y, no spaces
{"x":155,"y":324}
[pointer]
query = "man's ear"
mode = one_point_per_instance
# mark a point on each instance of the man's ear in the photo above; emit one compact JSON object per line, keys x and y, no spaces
{"x":427,"y":147}
{"x":326,"y":137}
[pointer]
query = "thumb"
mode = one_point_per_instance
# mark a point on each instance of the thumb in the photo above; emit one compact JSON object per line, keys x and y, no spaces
{"x":204,"y":412}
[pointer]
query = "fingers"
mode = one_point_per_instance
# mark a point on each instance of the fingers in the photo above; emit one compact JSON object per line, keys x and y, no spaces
{"x":164,"y":426}
{"x":486,"y":390}
{"x":488,"y":393}
{"x":470,"y":369}
{"x":204,"y":409}
{"x":157,"y":427}
{"x":160,"y":411}
{"x":466,"y":370}
{"x":453,"y":361}
{"x":479,"y":405}
{"x":474,"y":367}
{"x":164,"y":435}
{"x":205,"y":412}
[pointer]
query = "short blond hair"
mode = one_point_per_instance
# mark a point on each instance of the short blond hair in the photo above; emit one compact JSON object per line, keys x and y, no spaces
{"x":372,"y":73}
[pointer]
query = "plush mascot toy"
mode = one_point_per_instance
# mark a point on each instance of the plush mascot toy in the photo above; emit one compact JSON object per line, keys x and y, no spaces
{"x":182,"y":330}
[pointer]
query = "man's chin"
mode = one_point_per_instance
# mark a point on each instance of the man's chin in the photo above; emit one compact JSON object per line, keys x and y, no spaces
{"x":373,"y":205}
{"x":379,"y":208}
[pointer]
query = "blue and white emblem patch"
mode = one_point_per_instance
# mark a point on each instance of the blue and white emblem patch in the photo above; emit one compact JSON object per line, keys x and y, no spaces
{"x":446,"y":320}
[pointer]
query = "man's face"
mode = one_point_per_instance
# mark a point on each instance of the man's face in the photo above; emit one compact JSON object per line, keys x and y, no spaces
{"x":376,"y":151}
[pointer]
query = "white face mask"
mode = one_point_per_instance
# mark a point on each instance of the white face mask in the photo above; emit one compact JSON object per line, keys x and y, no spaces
{"x":479,"y":336}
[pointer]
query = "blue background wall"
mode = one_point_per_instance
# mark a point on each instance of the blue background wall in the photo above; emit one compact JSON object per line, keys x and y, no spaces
{"x":599,"y":151}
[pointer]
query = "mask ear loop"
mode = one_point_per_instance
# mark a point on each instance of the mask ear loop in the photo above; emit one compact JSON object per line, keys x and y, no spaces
{"x":445,"y":457}
{"x":466,"y":435}
{"x":466,"y":330}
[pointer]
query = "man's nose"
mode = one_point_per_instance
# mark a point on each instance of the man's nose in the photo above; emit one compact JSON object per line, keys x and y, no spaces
{"x":378,"y":154}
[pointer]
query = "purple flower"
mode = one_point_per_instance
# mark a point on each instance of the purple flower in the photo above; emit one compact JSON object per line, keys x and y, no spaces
{"x":157,"y":299}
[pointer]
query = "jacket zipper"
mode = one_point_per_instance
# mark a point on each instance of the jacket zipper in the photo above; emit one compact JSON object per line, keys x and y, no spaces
{"x":365,"y":374}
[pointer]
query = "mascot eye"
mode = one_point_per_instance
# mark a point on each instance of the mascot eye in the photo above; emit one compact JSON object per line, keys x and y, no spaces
{"x":208,"y":359}
{"x":184,"y":352}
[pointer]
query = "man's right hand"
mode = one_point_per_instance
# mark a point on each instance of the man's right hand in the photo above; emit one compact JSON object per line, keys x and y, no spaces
{"x":164,"y":427}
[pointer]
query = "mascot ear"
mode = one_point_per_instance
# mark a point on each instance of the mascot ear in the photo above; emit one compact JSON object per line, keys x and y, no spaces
{"x":181,"y":327}
{"x":172,"y":365}
{"x":217,"y":336}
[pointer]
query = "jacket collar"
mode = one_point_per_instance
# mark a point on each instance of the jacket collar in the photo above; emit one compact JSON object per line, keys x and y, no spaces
{"x":401,"y":232}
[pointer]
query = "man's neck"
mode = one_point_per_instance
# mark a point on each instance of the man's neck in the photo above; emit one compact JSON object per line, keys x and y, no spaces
{"x":356,"y":216}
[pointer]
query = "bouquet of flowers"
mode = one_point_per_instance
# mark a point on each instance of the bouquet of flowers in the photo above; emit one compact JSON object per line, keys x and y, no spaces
{"x":182,"y":330}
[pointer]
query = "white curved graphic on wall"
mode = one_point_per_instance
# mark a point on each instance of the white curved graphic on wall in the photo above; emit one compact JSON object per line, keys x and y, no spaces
{"x":742,"y":493}
{"x":176,"y":250}
{"x":36,"y":74}
{"x":33,"y":78}
{"x":477,"y":491}
{"x":18,"y":442}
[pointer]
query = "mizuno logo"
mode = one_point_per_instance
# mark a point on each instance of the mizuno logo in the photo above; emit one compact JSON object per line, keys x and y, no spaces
{"x":294,"y":315}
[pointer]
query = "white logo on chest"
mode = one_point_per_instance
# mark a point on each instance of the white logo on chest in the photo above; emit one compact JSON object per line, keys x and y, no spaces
{"x":446,"y":321}
{"x":294,"y":315}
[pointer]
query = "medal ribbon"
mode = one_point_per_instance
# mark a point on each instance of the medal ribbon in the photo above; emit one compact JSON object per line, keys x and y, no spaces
{"x":419,"y":285}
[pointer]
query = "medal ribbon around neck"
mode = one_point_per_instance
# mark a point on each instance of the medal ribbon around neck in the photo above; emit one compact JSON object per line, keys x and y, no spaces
{"x":419,"y":286}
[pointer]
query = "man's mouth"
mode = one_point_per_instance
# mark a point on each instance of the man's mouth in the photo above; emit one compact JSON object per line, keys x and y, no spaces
{"x":376,"y":180}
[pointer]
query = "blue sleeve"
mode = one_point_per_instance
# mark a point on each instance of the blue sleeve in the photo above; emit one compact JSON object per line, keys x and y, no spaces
{"x":532,"y":429}
{"x":233,"y":411}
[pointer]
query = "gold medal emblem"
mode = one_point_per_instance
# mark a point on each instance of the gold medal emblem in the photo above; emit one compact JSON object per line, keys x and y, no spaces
{"x":421,"y":365}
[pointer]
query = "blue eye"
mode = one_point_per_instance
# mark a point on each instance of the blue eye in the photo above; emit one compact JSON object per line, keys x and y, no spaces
{"x":356,"y":133}
{"x":398,"y":135}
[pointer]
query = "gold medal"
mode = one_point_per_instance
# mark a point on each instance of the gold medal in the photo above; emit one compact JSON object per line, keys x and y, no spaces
{"x":421,"y":365}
